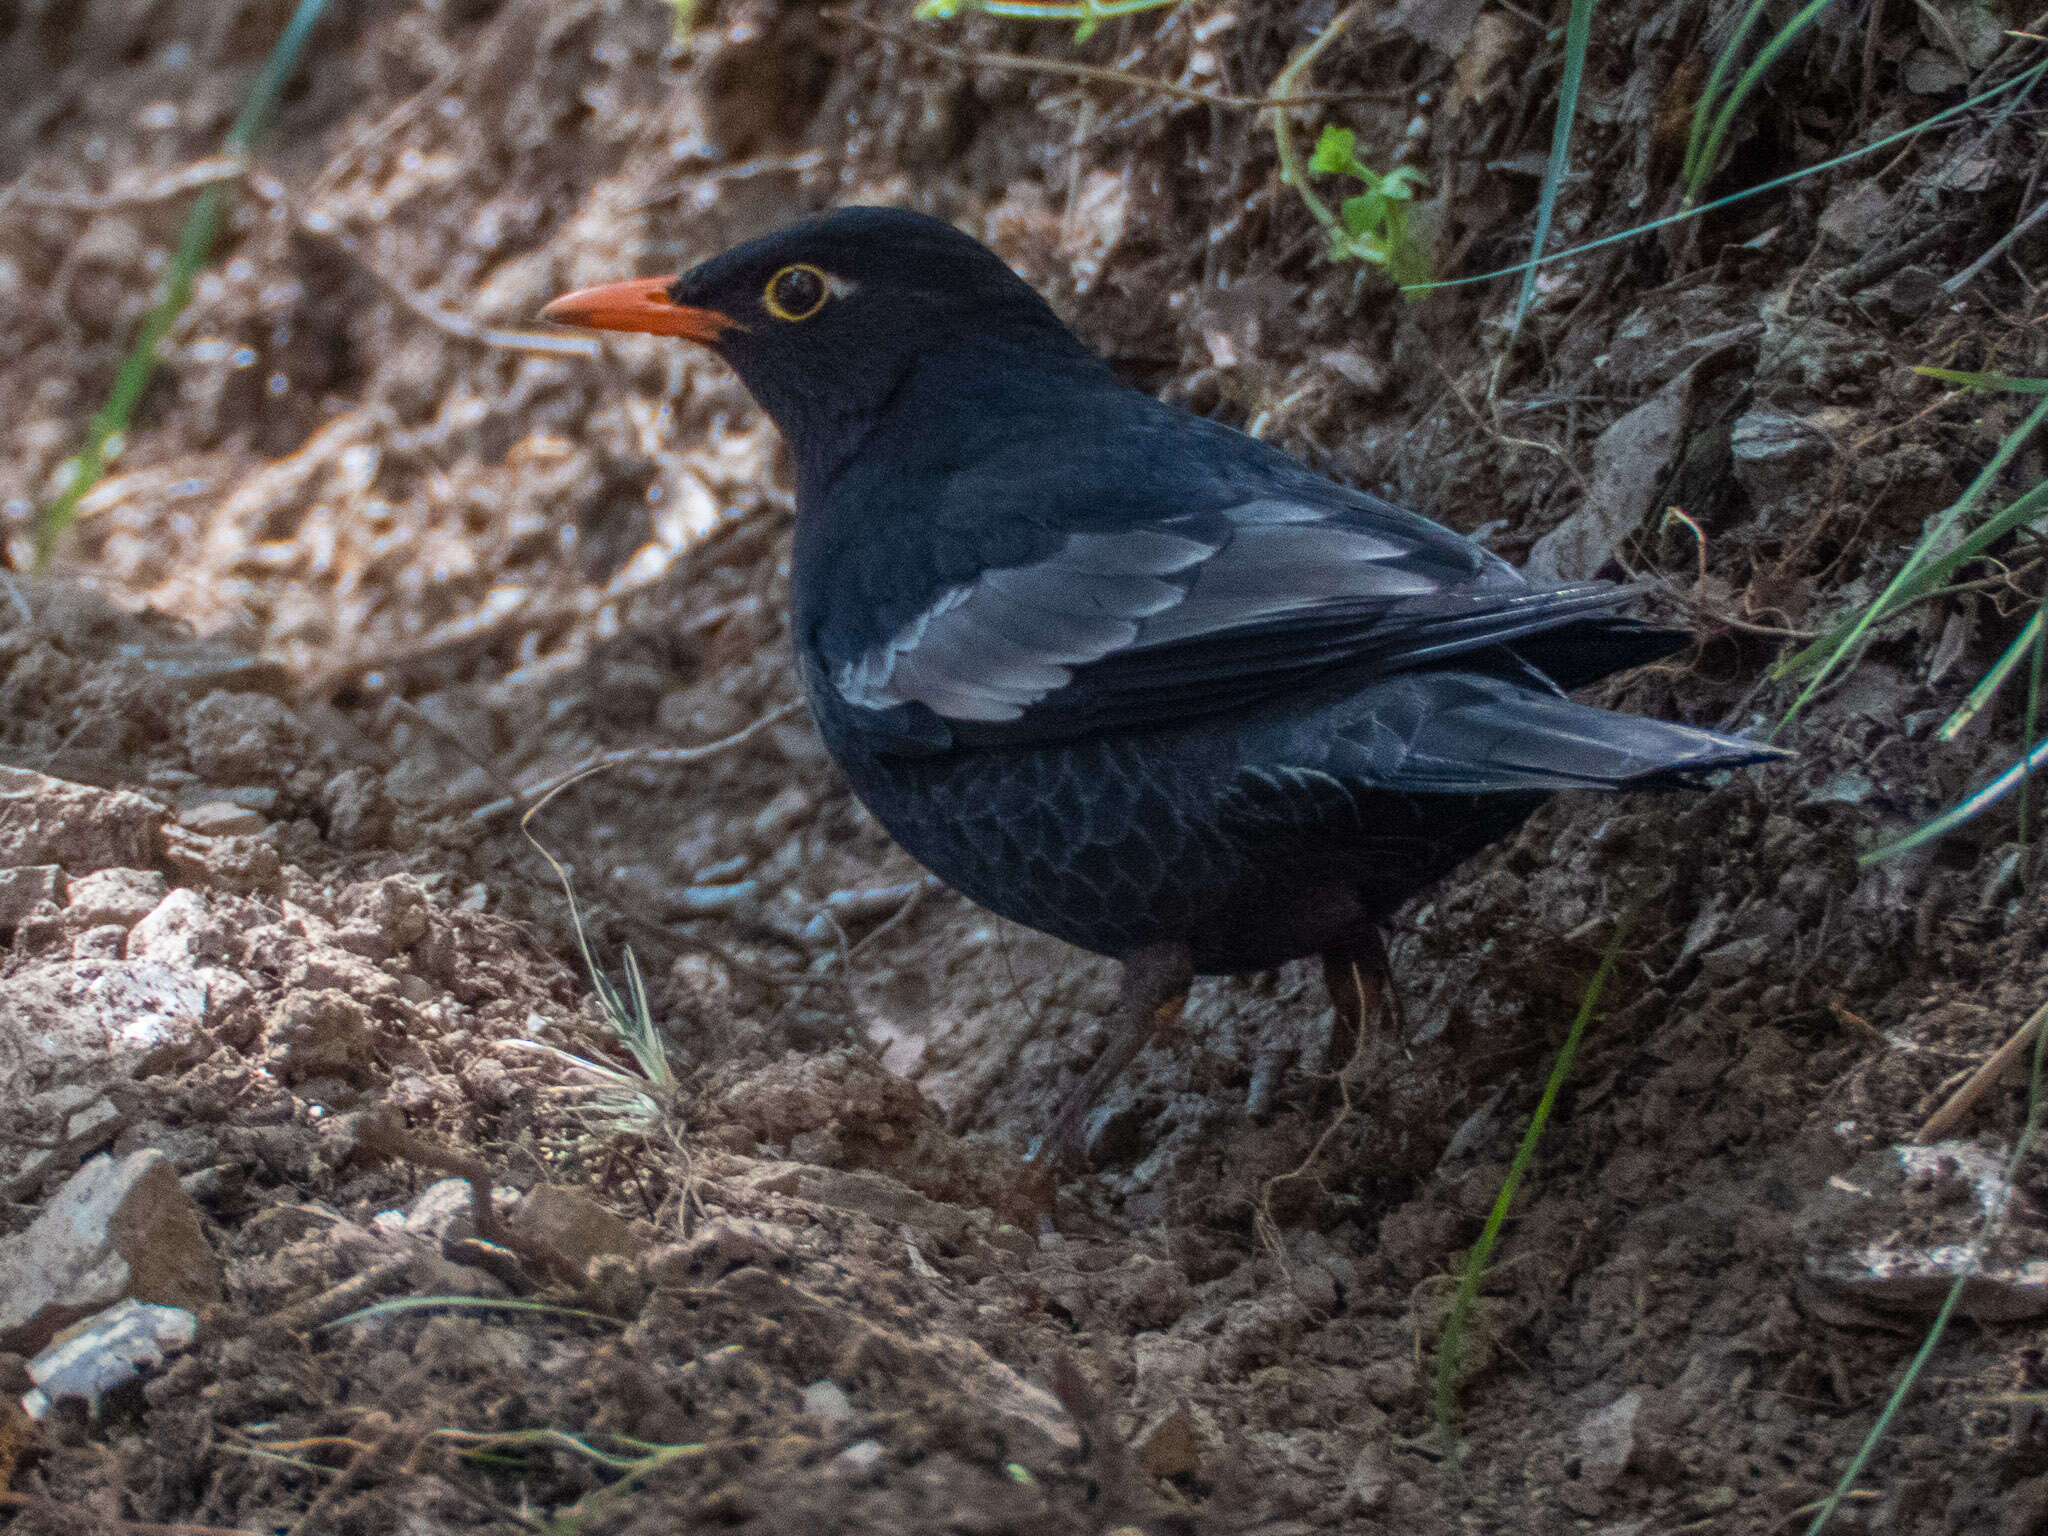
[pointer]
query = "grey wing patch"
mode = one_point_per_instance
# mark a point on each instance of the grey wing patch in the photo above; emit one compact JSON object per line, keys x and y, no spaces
{"x":989,"y":649}
{"x":1274,"y":566}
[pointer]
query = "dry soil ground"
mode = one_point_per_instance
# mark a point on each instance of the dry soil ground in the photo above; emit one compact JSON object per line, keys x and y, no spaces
{"x":368,"y":566}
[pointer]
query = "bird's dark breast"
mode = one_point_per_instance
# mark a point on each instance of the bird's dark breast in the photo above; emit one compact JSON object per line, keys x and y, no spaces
{"x":1206,"y":836}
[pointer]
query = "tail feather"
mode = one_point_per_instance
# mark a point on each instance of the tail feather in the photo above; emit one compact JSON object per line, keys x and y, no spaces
{"x":1465,"y":733}
{"x":1587,"y":650}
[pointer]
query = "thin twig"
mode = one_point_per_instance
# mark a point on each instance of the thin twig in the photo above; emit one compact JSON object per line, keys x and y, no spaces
{"x":540,"y":794}
{"x":55,"y":1509}
{"x":1073,"y":69}
{"x":1962,"y":279}
{"x":201,"y":173}
{"x":761,"y":165}
{"x":1960,"y":1103}
{"x":380,"y":1131}
{"x":1291,"y":173}
{"x":323,"y":227}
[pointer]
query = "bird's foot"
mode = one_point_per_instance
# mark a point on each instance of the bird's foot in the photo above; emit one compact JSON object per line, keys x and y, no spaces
{"x":1155,"y":990}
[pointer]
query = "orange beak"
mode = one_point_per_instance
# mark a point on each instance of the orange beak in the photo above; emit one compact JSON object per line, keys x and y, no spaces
{"x":637,"y":304}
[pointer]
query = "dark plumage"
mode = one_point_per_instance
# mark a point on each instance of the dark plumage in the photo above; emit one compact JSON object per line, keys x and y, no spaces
{"x":1118,"y":672}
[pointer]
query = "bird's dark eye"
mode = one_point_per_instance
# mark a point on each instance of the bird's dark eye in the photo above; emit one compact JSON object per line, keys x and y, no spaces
{"x":796,"y":293}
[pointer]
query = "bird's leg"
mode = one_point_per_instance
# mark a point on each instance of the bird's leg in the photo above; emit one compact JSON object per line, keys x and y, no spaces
{"x":1360,"y":979}
{"x":1155,"y":989}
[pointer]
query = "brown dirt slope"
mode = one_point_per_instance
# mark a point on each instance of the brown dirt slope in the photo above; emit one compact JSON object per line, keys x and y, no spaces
{"x":371,"y":565}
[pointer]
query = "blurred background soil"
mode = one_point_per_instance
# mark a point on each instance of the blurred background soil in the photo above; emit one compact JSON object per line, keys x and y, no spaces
{"x":378,"y":556}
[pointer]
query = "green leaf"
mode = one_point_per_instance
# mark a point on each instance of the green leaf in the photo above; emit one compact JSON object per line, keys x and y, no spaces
{"x":1362,"y":214}
{"x":1336,"y":152}
{"x":1402,"y":182}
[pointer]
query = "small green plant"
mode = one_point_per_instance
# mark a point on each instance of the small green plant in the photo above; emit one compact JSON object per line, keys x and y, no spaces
{"x":620,"y":1100}
{"x":1372,"y":226}
{"x":1089,"y":14}
{"x":1714,"y":113}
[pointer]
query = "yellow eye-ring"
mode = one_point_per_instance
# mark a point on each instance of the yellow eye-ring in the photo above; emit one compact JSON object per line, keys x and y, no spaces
{"x":796,"y":293}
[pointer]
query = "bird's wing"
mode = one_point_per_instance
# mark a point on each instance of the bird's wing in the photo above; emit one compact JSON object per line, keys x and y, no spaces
{"x":1190,"y":616}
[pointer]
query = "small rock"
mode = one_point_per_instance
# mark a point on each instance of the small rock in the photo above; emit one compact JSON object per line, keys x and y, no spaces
{"x":1773,"y":453}
{"x":860,"y":1460}
{"x":1895,"y":1231}
{"x":879,"y":1196}
{"x":827,"y":1402}
{"x":1607,"y":1439}
{"x":99,"y":943}
{"x":123,"y":896}
{"x":443,"y":1205}
{"x":171,"y":931}
{"x":718,"y":1248}
{"x":223,"y":863}
{"x":21,"y":890}
{"x":1717,"y":1500}
{"x":358,"y":814}
{"x":1169,"y":1446}
{"x":1910,"y":292}
{"x":1735,"y":959}
{"x":489,"y":1084}
{"x":52,"y":821}
{"x":104,"y":1351}
{"x":383,"y":918}
{"x":1860,"y":215}
{"x":423,"y":782}
{"x":320,"y":1033}
{"x":115,"y":1230}
{"x":233,"y":737}
{"x":1929,"y":72}
{"x":73,"y":1016}
{"x":574,"y":1225}
{"x":221,"y":818}
{"x":1166,"y":1366}
{"x":1370,"y":1482}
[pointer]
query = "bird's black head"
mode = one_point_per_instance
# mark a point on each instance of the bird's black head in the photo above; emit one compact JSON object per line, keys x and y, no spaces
{"x":824,"y":319}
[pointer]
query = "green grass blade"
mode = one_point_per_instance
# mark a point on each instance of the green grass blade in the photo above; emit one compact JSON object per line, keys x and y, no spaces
{"x":110,"y":423}
{"x":1919,"y":575}
{"x":2032,"y":723}
{"x":1578,"y":31}
{"x":195,"y":242}
{"x":2021,"y":1148}
{"x":1724,"y":117}
{"x":2000,"y":381}
{"x":1703,"y":109}
{"x":1965,"y":810}
{"x":2018,"y":82}
{"x":2025,"y":510}
{"x":1450,"y":1343}
{"x":270,"y":80}
{"x":1989,"y":684}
